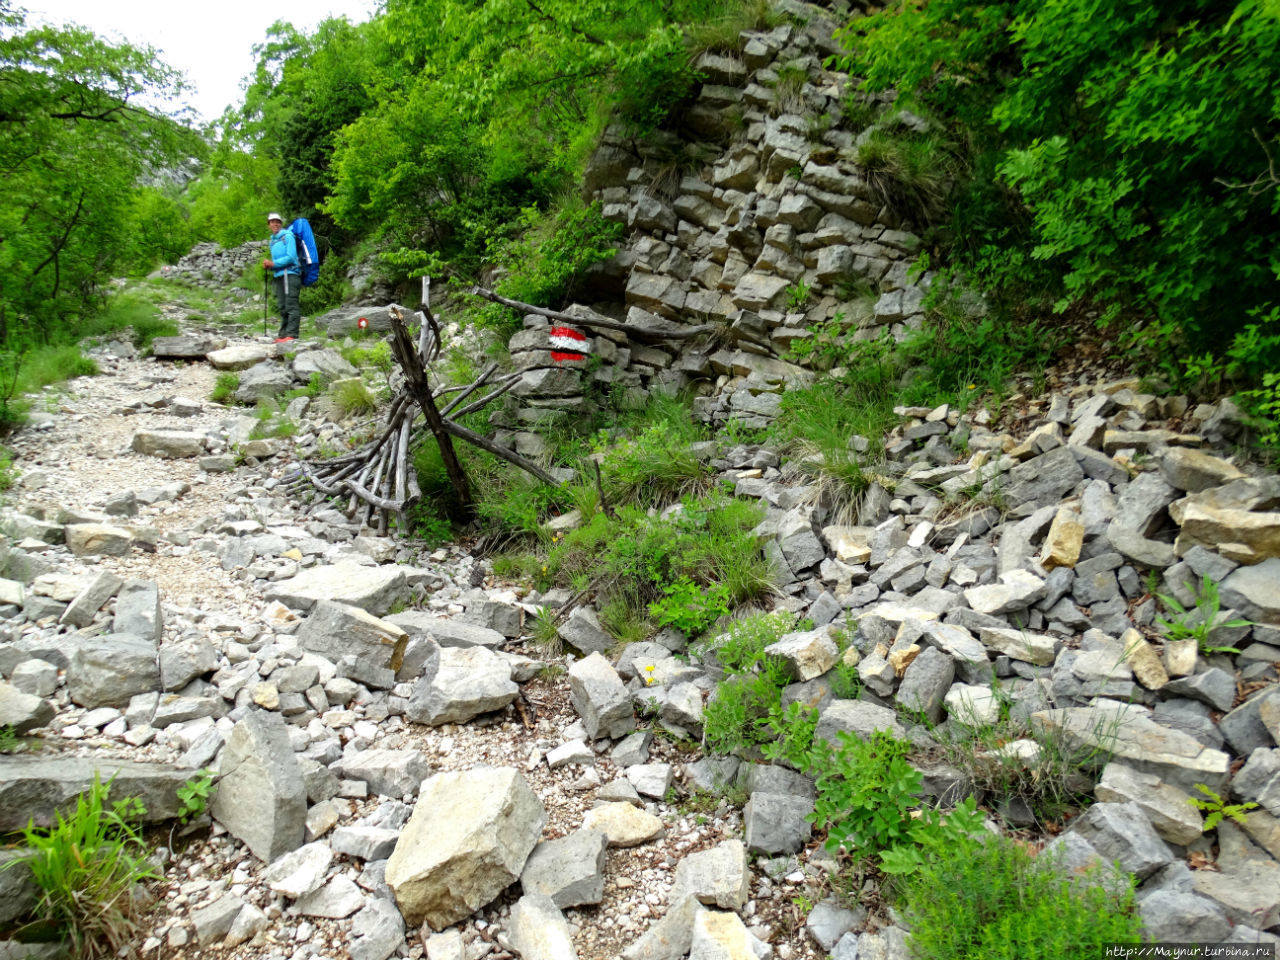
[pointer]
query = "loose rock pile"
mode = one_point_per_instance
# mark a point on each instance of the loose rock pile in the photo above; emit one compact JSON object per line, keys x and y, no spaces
{"x":329,"y":716}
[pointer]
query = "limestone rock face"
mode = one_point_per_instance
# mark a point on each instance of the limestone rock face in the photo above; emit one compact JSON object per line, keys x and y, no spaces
{"x":468,"y":839}
{"x":261,"y":796}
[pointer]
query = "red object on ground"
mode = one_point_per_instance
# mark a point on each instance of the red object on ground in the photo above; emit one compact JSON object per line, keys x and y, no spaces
{"x":568,"y":344}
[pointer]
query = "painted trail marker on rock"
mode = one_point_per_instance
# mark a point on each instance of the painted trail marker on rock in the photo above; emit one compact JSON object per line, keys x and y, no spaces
{"x":568,"y":345}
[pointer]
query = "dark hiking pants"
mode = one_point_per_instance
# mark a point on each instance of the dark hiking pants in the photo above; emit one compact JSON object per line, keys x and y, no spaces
{"x":287,"y":289}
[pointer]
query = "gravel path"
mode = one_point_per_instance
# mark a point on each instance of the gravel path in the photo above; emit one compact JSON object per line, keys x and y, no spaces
{"x":76,"y":458}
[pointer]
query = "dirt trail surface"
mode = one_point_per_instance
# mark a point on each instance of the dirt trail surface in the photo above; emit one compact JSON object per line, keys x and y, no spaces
{"x":77,"y":460}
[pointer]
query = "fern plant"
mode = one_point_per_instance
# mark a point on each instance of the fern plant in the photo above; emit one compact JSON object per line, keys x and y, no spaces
{"x":1217,"y":808}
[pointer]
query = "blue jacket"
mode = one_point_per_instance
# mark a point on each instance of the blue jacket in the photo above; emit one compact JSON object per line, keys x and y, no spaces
{"x":284,"y":253}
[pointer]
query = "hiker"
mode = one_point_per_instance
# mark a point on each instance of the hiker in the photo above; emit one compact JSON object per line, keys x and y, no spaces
{"x":284,"y":261}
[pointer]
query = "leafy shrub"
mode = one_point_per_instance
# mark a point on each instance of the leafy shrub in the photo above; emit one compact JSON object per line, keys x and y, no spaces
{"x":1116,"y":158}
{"x":690,"y":607}
{"x":991,"y":898}
{"x":742,"y":713}
{"x":88,"y":866}
{"x":868,"y":800}
{"x":552,"y":250}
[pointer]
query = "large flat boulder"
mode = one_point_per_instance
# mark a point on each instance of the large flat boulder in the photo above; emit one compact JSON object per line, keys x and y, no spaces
{"x":373,"y":589}
{"x":168,"y":444}
{"x":239,"y":357}
{"x":185,"y":347}
{"x":35,"y":788}
{"x":467,"y":841}
{"x":107,"y":671}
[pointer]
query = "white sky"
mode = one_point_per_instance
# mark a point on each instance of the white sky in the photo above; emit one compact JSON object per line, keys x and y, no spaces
{"x":211,"y":41}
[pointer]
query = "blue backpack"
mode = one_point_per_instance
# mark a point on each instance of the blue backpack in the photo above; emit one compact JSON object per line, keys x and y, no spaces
{"x":308,"y":255}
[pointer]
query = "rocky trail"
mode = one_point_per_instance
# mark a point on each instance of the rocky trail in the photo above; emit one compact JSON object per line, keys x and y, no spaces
{"x":401,"y":774}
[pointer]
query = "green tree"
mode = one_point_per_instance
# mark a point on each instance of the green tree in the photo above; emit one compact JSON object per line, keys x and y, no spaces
{"x":1120,"y":155}
{"x":75,"y":141}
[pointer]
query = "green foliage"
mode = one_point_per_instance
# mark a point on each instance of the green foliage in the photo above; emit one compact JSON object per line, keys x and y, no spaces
{"x":632,"y":555}
{"x":991,"y":898}
{"x":868,"y":801}
{"x":431,"y":529}
{"x":743,"y":711}
{"x":655,"y":466}
{"x":1217,"y":808}
{"x":551,"y":250}
{"x":10,"y":742}
{"x":798,"y":296}
{"x":1199,"y":622}
{"x":689,"y":607}
{"x":224,"y":387}
{"x":133,"y":312}
{"x":88,"y":866}
{"x":194,"y":795}
{"x":1115,"y":158}
{"x":73,"y":146}
{"x":722,"y":34}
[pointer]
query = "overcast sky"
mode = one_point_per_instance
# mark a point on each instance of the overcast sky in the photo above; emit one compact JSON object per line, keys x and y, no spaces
{"x":211,"y":41}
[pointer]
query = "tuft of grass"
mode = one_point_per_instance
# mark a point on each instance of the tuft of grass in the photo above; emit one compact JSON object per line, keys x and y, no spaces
{"x":8,"y":472}
{"x":546,"y":637}
{"x":225,"y":386}
{"x":352,"y":398}
{"x":89,"y":867}
{"x":723,"y":34}
{"x":133,"y":311}
{"x":788,"y":89}
{"x":911,"y":173}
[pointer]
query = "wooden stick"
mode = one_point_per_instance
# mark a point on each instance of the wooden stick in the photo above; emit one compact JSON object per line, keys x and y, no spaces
{"x":470,"y":389}
{"x":416,"y":384}
{"x":596,"y":321}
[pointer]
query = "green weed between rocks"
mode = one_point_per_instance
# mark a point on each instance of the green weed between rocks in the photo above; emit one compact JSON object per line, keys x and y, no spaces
{"x":1217,"y":808}
{"x":90,"y":866}
{"x":1199,"y":622}
{"x":990,"y":898}
{"x":225,"y":387}
{"x":195,"y":794}
{"x":742,"y":714}
{"x":352,"y":398}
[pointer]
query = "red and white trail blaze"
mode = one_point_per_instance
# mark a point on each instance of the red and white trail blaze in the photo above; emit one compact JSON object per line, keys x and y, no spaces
{"x":568,"y":344}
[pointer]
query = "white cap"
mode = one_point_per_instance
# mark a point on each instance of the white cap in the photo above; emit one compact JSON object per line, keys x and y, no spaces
{"x":275,"y":216}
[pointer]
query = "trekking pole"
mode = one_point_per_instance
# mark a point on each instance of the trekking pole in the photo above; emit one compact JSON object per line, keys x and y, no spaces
{"x":266,"y":283}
